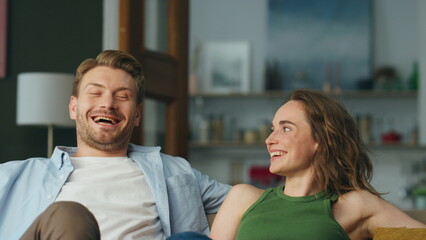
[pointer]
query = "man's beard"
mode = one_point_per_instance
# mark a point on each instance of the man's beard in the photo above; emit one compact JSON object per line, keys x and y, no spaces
{"x":103,"y":141}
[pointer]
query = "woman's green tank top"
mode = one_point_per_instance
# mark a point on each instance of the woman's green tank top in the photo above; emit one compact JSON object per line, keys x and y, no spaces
{"x":277,"y":216}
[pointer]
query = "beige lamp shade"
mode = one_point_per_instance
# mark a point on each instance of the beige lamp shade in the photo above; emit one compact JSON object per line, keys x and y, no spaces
{"x":43,"y":98}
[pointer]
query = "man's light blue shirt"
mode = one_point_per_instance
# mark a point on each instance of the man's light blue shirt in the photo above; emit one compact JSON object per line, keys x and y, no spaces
{"x":183,"y":195}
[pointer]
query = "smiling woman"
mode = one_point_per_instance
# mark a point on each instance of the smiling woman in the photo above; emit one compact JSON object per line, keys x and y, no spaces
{"x":316,"y":146}
{"x":290,"y":144}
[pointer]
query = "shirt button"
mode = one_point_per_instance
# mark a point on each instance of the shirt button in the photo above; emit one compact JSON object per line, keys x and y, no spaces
{"x":61,"y":176}
{"x":49,"y":196}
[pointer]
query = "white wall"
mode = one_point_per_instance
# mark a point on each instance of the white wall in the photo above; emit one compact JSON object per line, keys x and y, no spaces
{"x":110,"y":24}
{"x":422,"y":67}
{"x":396,"y":35}
{"x":232,"y":20}
{"x":400,"y":37}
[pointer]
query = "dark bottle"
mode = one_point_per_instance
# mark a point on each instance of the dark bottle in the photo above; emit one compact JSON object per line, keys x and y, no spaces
{"x":413,"y":81}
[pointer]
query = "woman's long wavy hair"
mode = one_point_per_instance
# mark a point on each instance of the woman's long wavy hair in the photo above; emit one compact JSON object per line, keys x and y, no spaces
{"x":341,"y":163}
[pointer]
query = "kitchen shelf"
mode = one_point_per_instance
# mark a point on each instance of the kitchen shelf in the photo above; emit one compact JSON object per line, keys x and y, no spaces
{"x":396,"y":147}
{"x":209,"y":145}
{"x":343,"y":94}
{"x":225,"y":145}
{"x":360,"y":102}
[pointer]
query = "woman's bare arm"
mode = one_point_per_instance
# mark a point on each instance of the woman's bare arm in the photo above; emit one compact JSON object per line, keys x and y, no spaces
{"x":239,"y":199}
{"x":360,"y":213}
{"x":387,"y":215}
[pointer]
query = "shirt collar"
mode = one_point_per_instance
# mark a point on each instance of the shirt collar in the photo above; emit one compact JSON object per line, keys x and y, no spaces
{"x":61,"y":155}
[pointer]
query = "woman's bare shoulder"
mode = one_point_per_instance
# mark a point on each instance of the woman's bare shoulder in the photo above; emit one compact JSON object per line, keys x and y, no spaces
{"x":353,"y":211}
{"x":245,"y":192}
{"x":364,"y":204}
{"x":247,"y":188}
{"x":239,"y":199}
{"x":359,"y":195}
{"x":360,"y":211}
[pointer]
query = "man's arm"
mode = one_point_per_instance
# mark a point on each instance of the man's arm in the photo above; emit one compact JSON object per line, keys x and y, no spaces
{"x":213,"y":193}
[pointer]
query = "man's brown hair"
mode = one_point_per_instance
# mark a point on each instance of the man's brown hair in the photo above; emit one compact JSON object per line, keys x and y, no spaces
{"x":115,"y":59}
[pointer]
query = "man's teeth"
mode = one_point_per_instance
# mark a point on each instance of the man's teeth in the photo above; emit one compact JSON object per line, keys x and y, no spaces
{"x":273,"y":154}
{"x":105,"y":120}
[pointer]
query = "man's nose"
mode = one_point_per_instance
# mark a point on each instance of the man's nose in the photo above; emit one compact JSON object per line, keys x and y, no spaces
{"x":108,"y":101}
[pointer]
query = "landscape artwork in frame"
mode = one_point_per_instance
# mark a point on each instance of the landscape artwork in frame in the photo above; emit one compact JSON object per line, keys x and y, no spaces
{"x":226,"y":67}
{"x":315,"y":43}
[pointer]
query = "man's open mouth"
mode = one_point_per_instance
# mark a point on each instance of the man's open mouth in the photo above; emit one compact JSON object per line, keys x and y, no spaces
{"x":105,"y":120}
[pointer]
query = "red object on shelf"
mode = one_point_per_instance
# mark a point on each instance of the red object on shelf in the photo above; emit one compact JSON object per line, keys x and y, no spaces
{"x":262,"y":175}
{"x":391,"y":137}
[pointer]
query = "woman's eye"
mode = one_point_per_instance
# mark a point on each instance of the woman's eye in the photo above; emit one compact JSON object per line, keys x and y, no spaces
{"x":284,"y":129}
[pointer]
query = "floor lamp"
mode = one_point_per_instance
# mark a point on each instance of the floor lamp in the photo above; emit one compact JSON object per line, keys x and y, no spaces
{"x":42,"y":100}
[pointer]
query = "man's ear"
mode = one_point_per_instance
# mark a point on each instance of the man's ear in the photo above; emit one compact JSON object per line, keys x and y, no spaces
{"x":138,"y":115}
{"x":72,"y":107}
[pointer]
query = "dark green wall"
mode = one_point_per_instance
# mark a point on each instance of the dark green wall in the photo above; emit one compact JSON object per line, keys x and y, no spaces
{"x":44,"y":35}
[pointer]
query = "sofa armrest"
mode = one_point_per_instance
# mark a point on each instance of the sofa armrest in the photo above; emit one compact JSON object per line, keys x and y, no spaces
{"x":400,"y":234}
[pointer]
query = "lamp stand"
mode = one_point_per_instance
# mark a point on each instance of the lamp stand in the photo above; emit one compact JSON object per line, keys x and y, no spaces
{"x":49,"y":140}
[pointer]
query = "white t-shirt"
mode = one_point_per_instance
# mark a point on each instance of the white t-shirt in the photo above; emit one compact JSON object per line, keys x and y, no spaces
{"x":116,"y":192}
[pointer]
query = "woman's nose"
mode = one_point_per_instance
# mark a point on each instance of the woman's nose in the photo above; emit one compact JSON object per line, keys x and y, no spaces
{"x":271,"y":138}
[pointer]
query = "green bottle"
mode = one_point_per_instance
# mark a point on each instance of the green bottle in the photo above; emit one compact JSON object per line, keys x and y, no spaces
{"x":413,"y":81}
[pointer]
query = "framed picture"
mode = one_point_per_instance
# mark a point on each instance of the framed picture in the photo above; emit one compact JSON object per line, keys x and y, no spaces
{"x":320,"y":43}
{"x":226,"y":67}
{"x":3,"y":31}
